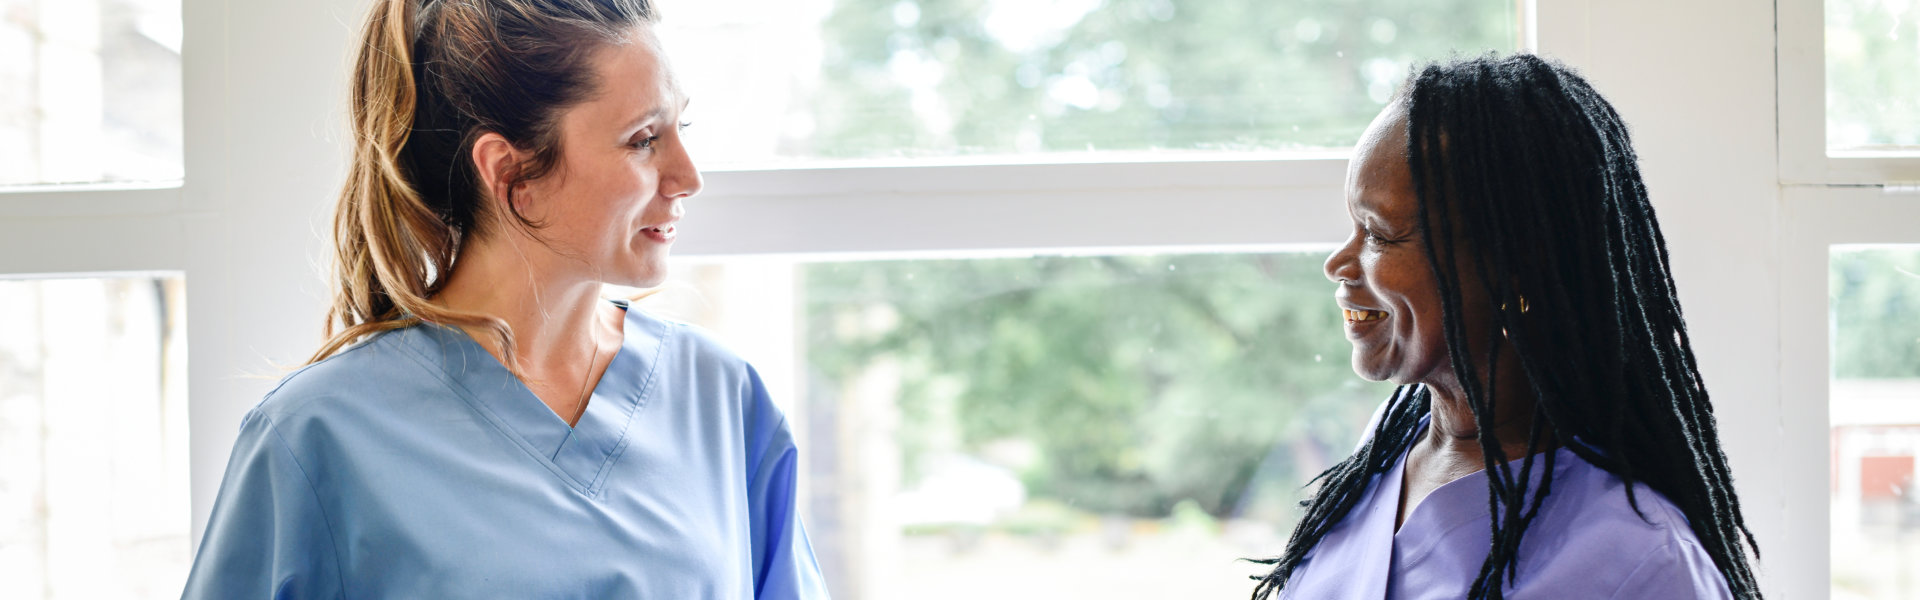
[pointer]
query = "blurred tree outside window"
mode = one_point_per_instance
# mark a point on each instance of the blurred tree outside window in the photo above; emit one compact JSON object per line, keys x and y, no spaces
{"x":1119,"y":426}
{"x":1015,"y":80}
{"x":1873,"y":75}
{"x":1874,"y":400}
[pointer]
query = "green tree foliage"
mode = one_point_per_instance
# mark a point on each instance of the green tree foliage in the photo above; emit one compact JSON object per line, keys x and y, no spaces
{"x":1875,"y":299}
{"x":906,"y":78}
{"x":1140,"y":380}
{"x":1873,"y":73}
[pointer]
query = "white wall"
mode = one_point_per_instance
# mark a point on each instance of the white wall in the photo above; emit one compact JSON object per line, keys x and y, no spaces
{"x":1695,"y":81}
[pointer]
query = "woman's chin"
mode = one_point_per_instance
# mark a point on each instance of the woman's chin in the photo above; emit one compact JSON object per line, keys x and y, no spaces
{"x":1371,"y":369}
{"x":650,"y":281}
{"x":645,"y":275}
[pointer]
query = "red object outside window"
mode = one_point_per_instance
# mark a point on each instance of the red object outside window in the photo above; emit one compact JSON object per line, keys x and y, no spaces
{"x":1885,"y":477}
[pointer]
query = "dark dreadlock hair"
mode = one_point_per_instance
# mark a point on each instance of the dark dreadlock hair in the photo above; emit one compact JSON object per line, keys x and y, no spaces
{"x":1530,"y":172}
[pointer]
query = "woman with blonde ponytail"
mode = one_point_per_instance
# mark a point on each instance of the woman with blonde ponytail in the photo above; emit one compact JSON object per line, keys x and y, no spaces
{"x":480,"y":423}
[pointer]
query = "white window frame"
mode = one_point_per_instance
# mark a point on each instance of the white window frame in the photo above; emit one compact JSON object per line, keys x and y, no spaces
{"x":1816,"y":218}
{"x":1804,"y":158}
{"x":264,"y":104}
{"x":1826,"y":199}
{"x":264,"y":116}
{"x":996,"y":207}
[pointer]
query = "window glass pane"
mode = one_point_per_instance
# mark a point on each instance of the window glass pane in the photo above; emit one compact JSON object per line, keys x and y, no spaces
{"x":785,"y":81}
{"x":1873,"y":76}
{"x":1875,"y":395}
{"x":1008,"y":427}
{"x":89,"y":91}
{"x":93,"y":438}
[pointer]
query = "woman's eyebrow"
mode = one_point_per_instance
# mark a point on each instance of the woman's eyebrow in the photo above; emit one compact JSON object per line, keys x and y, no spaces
{"x":658,"y":110}
{"x":648,"y":115}
{"x":1366,"y":203}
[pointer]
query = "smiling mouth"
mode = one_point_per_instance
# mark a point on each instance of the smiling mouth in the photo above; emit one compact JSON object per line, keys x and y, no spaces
{"x":1362,"y":316}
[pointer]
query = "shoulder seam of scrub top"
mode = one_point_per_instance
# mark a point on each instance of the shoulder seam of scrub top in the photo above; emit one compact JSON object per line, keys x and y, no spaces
{"x":639,"y":404}
{"x":333,"y":542}
{"x":296,"y":372}
{"x":499,"y":426}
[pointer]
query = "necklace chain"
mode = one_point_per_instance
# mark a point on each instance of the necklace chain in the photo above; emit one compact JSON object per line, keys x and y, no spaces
{"x":580,"y":399}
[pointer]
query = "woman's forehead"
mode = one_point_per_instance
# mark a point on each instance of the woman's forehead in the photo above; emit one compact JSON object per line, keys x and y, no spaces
{"x":631,"y":85}
{"x":1379,"y":180}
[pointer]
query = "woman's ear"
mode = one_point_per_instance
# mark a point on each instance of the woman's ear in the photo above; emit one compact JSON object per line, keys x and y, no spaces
{"x":497,"y":162}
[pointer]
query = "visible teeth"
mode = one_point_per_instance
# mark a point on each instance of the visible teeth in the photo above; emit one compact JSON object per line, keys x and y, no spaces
{"x":1355,"y":316}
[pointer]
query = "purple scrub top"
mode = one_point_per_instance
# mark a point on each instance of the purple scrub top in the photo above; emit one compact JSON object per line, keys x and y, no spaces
{"x":1587,"y":542}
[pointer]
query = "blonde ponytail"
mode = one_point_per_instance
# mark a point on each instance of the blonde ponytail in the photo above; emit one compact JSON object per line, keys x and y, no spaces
{"x":392,"y":251}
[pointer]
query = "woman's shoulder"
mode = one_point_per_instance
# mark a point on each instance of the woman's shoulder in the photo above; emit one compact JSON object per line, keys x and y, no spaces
{"x":696,"y":360}
{"x":363,"y":375}
{"x":1593,"y":507}
{"x":686,"y":341}
{"x":1643,"y":543}
{"x":1608,"y":499}
{"x":1597,"y":502}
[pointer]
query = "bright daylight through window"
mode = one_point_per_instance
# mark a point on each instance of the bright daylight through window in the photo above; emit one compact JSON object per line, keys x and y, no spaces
{"x":1873,"y":85}
{"x":1052,"y":80}
{"x":1875,"y":299}
{"x":89,"y":91}
{"x":1001,"y":426}
{"x":93,"y":438}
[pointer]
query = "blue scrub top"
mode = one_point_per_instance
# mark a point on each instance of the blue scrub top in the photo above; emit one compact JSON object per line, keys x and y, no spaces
{"x":1586,"y":542}
{"x":413,"y":465}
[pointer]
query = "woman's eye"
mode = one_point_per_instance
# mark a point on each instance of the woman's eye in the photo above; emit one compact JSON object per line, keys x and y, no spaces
{"x":647,"y":143}
{"x":685,"y":124}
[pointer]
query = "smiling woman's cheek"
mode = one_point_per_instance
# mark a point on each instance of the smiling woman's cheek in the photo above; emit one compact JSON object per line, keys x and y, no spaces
{"x":1413,"y":346}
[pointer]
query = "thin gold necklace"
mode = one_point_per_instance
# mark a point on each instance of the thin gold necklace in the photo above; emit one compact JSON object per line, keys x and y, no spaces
{"x":580,"y":399}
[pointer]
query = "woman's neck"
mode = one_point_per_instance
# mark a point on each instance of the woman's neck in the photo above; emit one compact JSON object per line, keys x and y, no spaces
{"x":1450,"y":448}
{"x":558,"y":321}
{"x":1455,"y":430}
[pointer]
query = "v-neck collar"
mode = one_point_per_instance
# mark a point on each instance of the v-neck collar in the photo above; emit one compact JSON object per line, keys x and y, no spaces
{"x":1437,"y":516}
{"x":581,"y":454}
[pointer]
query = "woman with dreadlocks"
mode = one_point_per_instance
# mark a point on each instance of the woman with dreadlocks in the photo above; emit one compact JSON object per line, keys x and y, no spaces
{"x":1551,"y":436}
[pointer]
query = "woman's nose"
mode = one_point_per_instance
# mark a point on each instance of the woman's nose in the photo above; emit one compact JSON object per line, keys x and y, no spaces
{"x":678,"y":177}
{"x":1341,"y":266}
